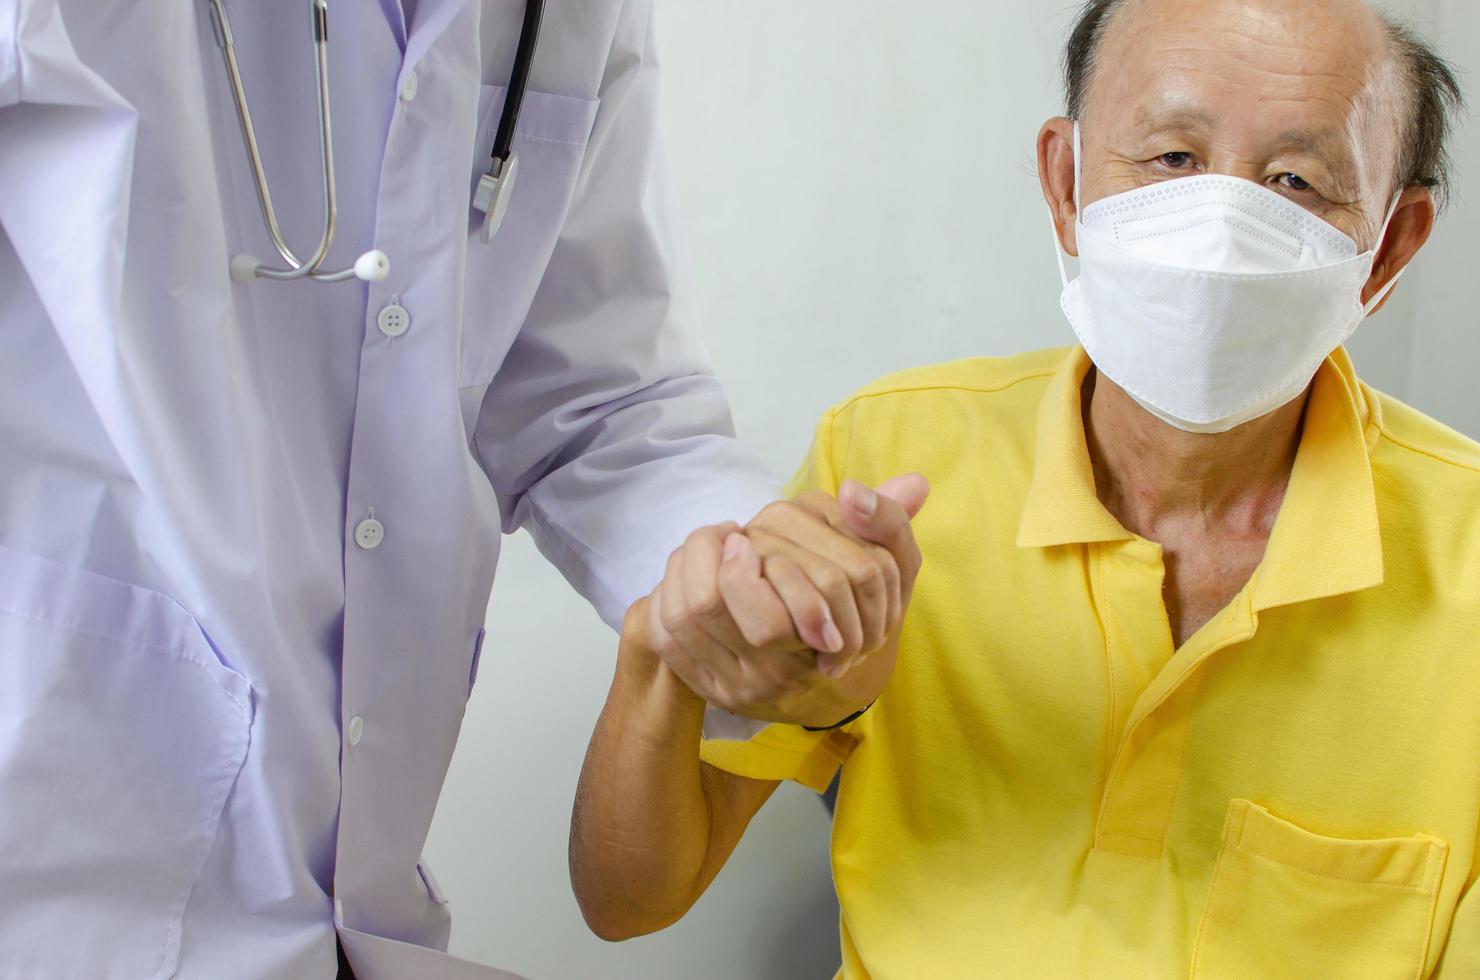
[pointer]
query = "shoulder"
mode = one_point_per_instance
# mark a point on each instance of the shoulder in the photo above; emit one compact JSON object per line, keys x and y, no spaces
{"x":1427,"y":478}
{"x":939,"y":418}
{"x":970,"y":376}
{"x":1412,"y":442}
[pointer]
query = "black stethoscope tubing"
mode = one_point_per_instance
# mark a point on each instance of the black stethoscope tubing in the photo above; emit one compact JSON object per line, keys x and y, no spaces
{"x":529,"y":38}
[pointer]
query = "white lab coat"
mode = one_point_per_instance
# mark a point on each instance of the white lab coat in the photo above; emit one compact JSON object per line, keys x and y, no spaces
{"x":226,"y":708}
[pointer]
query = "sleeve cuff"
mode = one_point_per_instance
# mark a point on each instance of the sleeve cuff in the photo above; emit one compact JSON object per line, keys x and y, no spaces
{"x":813,"y":765}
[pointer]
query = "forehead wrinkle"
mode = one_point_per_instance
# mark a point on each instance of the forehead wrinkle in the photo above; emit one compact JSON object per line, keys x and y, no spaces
{"x":1246,"y":34}
{"x":1351,"y":71}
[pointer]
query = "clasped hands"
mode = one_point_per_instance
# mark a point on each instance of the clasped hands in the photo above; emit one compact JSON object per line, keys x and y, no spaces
{"x":794,"y":617}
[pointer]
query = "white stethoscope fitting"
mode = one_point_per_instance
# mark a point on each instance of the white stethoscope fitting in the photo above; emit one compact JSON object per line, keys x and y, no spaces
{"x":372,"y":265}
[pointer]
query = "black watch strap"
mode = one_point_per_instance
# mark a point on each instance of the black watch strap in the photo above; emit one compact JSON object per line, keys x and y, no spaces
{"x":846,"y":721}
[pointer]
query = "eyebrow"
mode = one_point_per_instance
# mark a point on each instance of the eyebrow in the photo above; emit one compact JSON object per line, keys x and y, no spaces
{"x":1324,"y":142}
{"x":1327,"y":145}
{"x":1161,"y":122}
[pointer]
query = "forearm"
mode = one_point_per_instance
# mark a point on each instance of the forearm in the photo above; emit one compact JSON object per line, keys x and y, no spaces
{"x":642,"y":825}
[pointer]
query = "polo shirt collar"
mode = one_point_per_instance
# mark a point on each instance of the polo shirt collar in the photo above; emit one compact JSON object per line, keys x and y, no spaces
{"x":1326,"y":540}
{"x":1062,"y":505}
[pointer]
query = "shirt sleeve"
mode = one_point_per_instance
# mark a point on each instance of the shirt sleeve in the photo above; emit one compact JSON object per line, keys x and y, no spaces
{"x":778,"y":752}
{"x":605,"y":433}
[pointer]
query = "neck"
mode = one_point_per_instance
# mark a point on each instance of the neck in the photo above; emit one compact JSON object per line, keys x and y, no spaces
{"x":1151,"y":475}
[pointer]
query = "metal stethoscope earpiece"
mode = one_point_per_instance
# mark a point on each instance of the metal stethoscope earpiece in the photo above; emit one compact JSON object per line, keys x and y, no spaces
{"x":491,"y":198}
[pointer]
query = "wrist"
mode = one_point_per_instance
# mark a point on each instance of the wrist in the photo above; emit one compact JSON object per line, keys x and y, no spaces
{"x":836,"y":702}
{"x":644,"y":678}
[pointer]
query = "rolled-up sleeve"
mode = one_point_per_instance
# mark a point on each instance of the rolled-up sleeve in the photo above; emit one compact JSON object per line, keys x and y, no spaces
{"x":605,"y":433}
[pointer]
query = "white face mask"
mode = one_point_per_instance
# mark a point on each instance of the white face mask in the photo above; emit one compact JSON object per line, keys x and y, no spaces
{"x":1212,"y":300}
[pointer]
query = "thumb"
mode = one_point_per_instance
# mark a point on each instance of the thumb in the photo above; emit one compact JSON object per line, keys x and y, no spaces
{"x":861,"y":505}
{"x":909,"y":491}
{"x":739,"y":550}
{"x":883,"y":516}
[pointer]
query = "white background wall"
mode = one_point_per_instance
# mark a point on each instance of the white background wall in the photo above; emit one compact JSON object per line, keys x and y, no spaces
{"x":860,"y":196}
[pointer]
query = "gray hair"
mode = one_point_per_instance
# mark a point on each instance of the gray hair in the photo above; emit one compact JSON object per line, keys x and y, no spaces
{"x":1435,"y":97}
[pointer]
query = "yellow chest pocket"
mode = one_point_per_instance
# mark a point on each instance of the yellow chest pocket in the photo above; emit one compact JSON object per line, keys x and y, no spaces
{"x":1285,"y":902}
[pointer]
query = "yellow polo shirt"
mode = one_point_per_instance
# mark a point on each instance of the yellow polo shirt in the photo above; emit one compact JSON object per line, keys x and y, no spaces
{"x":1046,"y":788}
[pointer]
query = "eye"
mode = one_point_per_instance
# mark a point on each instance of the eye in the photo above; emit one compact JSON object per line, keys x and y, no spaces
{"x":1294,"y":182}
{"x":1179,"y":160}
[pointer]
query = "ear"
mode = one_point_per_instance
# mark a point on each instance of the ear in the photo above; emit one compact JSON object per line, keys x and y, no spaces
{"x":1410,"y":228}
{"x":1056,"y":174}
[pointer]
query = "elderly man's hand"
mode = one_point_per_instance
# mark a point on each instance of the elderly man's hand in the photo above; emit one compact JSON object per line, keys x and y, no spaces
{"x":796,"y":617}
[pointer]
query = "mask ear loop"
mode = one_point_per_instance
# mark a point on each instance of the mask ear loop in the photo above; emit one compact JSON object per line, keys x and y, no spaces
{"x":1371,"y":305}
{"x":1053,"y":226}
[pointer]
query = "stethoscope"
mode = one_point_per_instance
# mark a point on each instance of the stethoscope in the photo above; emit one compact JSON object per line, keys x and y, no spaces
{"x":491,"y":197}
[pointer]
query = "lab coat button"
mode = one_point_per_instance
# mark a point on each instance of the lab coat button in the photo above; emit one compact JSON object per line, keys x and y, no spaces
{"x":408,"y":87}
{"x":393,"y":320}
{"x":356,"y":730}
{"x":369,"y":533}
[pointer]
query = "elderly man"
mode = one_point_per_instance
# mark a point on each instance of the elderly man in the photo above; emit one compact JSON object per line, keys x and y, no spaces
{"x":1190,"y":682}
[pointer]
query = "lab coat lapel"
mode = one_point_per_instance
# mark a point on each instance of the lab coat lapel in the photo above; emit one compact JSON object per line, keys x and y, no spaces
{"x":430,"y":19}
{"x":395,"y":15}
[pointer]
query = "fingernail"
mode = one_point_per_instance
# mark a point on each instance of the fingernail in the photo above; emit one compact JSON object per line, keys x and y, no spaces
{"x":865,"y":499}
{"x":732,"y":546}
{"x":831,"y":637}
{"x":832,"y":670}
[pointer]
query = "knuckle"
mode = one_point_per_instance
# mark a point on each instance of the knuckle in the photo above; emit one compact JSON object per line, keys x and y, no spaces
{"x":729,"y":576}
{"x":892,"y":582}
{"x":762,"y":541}
{"x":701,"y":536}
{"x":888,"y":564}
{"x":831,"y":579}
{"x":754,"y":693}
{"x":666,"y":648}
{"x":772,"y":511}
{"x":674,"y":620}
{"x":709,"y":603}
{"x":866,"y":575}
{"x":777,"y":568}
{"x":723,"y":698}
{"x":817,"y":500}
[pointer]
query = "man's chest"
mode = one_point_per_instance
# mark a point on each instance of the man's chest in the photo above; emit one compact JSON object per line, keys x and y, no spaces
{"x":1313,"y":748}
{"x":1203,"y":575}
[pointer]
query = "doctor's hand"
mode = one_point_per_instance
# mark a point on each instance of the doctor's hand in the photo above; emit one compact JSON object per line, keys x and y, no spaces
{"x":796,"y":617}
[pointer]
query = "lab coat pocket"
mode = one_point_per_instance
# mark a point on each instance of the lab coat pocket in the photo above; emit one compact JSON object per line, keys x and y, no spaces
{"x":1285,"y":902}
{"x":121,"y":735}
{"x":504,"y":274}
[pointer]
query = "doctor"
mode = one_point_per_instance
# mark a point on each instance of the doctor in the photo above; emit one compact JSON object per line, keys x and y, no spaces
{"x":248,"y":526}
